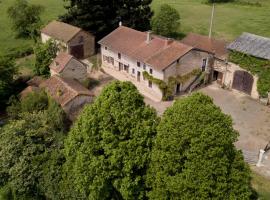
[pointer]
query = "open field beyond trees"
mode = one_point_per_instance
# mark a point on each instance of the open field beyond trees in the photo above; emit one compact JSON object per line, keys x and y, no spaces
{"x":53,"y":8}
{"x":230,"y":19}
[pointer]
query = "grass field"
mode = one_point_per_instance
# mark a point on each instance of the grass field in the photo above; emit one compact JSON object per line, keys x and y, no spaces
{"x":261,"y":185}
{"x":53,"y":8}
{"x":230,"y":19}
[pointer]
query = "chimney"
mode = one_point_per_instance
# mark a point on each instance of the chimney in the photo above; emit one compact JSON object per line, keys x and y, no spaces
{"x":148,"y":39}
{"x":168,"y":41}
{"x":120,"y":23}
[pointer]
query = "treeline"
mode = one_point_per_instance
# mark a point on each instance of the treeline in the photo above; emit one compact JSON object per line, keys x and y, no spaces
{"x":120,"y":149}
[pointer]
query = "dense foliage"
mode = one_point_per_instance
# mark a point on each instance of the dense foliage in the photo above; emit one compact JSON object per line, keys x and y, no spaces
{"x":256,"y":66}
{"x":194,"y":156}
{"x":108,"y":148}
{"x":100,"y":17}
{"x":44,"y":55}
{"x":166,"y":22}
{"x":25,"y":18}
{"x":8,"y":70}
{"x":30,"y":145}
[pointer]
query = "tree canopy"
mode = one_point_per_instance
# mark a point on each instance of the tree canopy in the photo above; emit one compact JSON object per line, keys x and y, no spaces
{"x":44,"y":55}
{"x":166,"y":21}
{"x":30,"y":149}
{"x":100,"y":17}
{"x":25,"y":18}
{"x":108,"y":148}
{"x":194,"y":156}
{"x":8,"y":70}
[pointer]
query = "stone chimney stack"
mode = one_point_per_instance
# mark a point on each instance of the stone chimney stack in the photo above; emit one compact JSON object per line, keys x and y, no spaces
{"x":148,"y":39}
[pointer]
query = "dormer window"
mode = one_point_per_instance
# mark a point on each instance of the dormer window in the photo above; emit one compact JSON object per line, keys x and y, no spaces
{"x":119,"y":56}
{"x":138,"y":64}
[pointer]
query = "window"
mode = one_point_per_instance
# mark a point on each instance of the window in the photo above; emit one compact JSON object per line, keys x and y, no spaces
{"x":119,"y":55}
{"x":178,"y":60}
{"x":126,"y":68}
{"x":204,"y":65}
{"x":151,"y":71}
{"x":133,"y":71}
{"x":106,"y":48}
{"x":150,"y":84}
{"x":138,"y":64}
{"x":121,"y":66}
{"x":112,"y":60}
{"x":144,"y":66}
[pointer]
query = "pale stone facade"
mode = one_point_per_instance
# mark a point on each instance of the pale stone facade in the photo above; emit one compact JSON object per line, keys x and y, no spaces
{"x":82,"y":38}
{"x":127,"y":69}
{"x":74,"y":69}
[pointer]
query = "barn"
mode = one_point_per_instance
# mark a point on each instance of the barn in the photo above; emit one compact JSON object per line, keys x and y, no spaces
{"x":253,"y":45}
{"x":71,"y":39}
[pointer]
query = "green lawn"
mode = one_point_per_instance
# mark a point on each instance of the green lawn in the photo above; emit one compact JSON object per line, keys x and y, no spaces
{"x":261,"y":185}
{"x":230,"y":19}
{"x":53,"y":8}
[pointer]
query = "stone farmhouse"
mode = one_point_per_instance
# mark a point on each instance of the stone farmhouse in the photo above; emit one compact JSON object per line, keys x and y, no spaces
{"x":67,"y":66}
{"x":71,"y":39}
{"x":128,"y":54}
{"x":69,"y":93}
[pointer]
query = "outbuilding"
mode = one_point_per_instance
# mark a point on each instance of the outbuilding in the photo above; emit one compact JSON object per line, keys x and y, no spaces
{"x":71,"y":39}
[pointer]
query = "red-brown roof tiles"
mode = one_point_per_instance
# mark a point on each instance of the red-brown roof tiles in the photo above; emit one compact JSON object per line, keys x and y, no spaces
{"x":64,"y":90}
{"x":217,"y":47}
{"x":61,"y":31}
{"x":60,"y":62}
{"x":158,"y":52}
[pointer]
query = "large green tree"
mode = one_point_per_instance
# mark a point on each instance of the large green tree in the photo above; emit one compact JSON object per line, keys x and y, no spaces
{"x":166,"y":21}
{"x":102,"y":16}
{"x":194,"y":156}
{"x":44,"y":55}
{"x":30,"y":152}
{"x":8,"y":70}
{"x":25,"y":18}
{"x":108,"y":148}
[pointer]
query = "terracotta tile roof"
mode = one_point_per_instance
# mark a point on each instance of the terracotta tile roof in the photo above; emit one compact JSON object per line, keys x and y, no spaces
{"x":61,"y":31}
{"x":60,"y":62}
{"x":64,"y":90}
{"x":28,"y":90}
{"x":158,"y":53}
{"x":217,"y":47}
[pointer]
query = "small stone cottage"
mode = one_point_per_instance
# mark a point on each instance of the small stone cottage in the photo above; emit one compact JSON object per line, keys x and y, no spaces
{"x":69,"y":93}
{"x":71,"y":39}
{"x":67,"y":66}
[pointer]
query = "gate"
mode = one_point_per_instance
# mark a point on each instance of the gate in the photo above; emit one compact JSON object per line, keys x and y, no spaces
{"x":243,"y":81}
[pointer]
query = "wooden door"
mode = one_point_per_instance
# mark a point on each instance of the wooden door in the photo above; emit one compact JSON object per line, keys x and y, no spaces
{"x":243,"y":81}
{"x":77,"y":51}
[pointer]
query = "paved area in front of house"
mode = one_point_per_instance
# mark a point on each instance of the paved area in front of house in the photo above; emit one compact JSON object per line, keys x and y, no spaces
{"x":251,"y":119}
